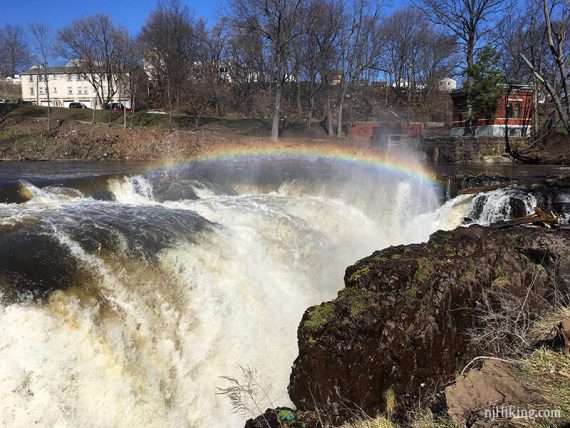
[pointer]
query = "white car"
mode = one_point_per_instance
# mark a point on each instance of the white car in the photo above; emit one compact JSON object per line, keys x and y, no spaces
{"x":156,"y":111}
{"x":3,"y":101}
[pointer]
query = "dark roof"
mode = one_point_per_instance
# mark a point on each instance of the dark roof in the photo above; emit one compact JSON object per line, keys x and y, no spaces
{"x":50,"y":70}
{"x":511,"y":84}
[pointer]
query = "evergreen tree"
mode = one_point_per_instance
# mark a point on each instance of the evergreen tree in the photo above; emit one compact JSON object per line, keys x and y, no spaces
{"x":484,"y":87}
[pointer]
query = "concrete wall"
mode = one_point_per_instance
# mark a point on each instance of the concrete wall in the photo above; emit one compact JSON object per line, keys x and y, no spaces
{"x":465,"y":149}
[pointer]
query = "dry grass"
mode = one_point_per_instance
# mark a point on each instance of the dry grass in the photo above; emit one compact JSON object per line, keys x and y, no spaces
{"x":379,"y":422}
{"x":420,"y":419}
{"x":543,"y":328}
{"x":548,"y":372}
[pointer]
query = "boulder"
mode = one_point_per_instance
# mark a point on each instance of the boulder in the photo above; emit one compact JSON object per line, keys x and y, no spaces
{"x":488,"y":394}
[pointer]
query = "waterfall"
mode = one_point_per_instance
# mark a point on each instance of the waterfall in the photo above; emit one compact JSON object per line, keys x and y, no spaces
{"x":181,"y":279}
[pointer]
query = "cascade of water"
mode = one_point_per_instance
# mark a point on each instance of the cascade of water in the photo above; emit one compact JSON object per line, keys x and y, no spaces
{"x":184,"y":289}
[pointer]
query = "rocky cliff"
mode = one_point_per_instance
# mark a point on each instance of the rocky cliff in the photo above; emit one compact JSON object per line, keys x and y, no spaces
{"x":400,"y":328}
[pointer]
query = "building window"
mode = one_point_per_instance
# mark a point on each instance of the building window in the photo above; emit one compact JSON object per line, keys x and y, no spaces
{"x":509,"y":110}
{"x":31,"y":91}
{"x":69,"y":90}
{"x":69,"y":77}
{"x":31,"y":78}
{"x":41,"y":90}
{"x":55,"y":90}
{"x":517,"y":111}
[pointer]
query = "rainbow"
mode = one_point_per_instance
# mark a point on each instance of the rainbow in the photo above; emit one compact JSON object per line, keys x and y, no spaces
{"x":342,"y":155}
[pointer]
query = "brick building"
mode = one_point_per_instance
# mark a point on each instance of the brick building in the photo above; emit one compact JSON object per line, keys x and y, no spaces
{"x":514,"y":112}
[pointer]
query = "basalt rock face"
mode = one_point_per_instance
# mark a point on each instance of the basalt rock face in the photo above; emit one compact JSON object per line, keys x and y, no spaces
{"x":399,"y":328}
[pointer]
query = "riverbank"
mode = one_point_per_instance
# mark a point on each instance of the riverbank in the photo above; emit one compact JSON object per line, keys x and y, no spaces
{"x":151,"y":137}
{"x":24,"y":135}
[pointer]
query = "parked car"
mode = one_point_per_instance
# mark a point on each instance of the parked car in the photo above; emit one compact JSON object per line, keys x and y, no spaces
{"x":157,"y":111}
{"x":117,"y":107}
{"x":25,"y":103}
{"x":77,"y":105}
{"x":2,"y":101}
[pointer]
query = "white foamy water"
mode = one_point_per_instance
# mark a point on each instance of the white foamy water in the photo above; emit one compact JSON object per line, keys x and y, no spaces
{"x":145,"y":341}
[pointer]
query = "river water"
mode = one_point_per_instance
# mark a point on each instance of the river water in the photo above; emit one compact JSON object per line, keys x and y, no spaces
{"x":128,"y":292}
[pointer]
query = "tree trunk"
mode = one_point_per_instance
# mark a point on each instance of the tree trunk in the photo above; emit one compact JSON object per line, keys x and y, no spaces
{"x":299,"y":104}
{"x":340,"y":109}
{"x":49,"y":103}
{"x":276,"y":111}
{"x":328,"y":110}
{"x":534,"y":128}
{"x":470,"y":62}
{"x":311,"y":109}
{"x":507,"y":141}
{"x":169,"y":106}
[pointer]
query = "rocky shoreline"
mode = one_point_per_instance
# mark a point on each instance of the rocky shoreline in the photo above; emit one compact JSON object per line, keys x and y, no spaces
{"x":411,"y":318}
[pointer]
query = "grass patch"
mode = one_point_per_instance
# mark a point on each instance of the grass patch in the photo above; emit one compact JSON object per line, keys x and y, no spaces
{"x":425,"y":270}
{"x":378,"y":422}
{"x":501,"y":281}
{"x":542,"y":328}
{"x":548,"y":372}
{"x":319,"y":315}
{"x":356,"y":299}
{"x":356,"y":276}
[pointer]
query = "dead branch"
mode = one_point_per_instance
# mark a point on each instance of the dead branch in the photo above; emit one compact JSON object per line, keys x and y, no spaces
{"x":539,"y":217}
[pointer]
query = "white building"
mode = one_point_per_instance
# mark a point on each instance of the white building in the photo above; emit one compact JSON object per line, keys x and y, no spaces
{"x":14,"y":80}
{"x":447,"y":84}
{"x":66,"y":86}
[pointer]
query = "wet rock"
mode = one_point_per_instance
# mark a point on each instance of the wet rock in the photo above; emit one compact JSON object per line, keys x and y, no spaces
{"x":34,"y":265}
{"x":399,"y":327}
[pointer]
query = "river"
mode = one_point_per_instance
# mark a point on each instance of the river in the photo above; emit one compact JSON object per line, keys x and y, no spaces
{"x":130,"y":290}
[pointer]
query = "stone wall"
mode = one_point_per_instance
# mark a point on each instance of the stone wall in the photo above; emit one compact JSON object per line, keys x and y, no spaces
{"x":465,"y":149}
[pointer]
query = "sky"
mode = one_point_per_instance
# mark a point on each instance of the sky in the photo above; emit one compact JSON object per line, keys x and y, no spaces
{"x":129,"y":13}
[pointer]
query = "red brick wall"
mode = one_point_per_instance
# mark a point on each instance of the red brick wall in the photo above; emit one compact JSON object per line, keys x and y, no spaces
{"x":362,"y":131}
{"x":368,"y":131}
{"x":517,"y":97}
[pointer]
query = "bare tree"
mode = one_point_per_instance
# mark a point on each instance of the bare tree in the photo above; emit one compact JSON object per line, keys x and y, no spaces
{"x":416,"y":56}
{"x":559,"y":90}
{"x":247,"y":67}
{"x":14,"y":50}
{"x":524,"y":34}
{"x":324,"y":30}
{"x":131,"y":75}
{"x":276,"y":21}
{"x":43,"y":48}
{"x":360,"y":47}
{"x":169,"y":37}
{"x":97,"y":49}
{"x":470,"y":21}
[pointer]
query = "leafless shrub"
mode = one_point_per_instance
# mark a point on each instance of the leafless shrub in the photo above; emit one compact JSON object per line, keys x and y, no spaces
{"x":506,"y":322}
{"x":249,"y":394}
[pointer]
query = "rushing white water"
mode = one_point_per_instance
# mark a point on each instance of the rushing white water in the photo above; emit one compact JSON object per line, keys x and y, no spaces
{"x":172,"y":302}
